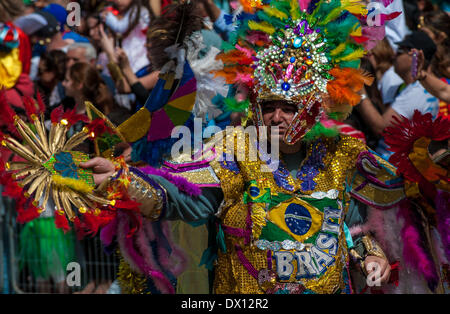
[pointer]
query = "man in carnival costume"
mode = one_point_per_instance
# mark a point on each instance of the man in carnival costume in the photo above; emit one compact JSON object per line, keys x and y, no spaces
{"x":279,"y":229}
{"x":288,"y":222}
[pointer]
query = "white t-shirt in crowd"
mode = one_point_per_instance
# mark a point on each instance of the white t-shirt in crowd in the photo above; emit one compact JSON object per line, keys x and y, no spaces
{"x":415,"y":97}
{"x":134,"y":44}
{"x":388,"y":85}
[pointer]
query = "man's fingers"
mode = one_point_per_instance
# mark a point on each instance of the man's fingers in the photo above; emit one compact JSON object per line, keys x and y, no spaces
{"x":91,"y":163}
{"x":385,"y":277}
{"x":99,"y":178}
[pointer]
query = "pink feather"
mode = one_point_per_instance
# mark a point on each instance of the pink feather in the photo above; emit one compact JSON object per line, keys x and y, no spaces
{"x":243,"y":78}
{"x":304,"y":4}
{"x":247,"y":52}
{"x":413,"y":250}
{"x":255,"y":36}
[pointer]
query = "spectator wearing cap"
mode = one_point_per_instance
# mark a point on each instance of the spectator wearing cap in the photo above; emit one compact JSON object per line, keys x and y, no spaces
{"x":60,"y":14}
{"x":411,"y":95}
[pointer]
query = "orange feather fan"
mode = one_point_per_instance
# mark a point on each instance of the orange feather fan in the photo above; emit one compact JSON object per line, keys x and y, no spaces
{"x":249,"y":6}
{"x":235,"y":57}
{"x":347,"y":82}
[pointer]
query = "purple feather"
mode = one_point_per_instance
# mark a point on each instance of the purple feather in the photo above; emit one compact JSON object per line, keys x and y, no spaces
{"x":443,"y":219}
{"x":181,"y":183}
{"x":135,"y":258}
{"x":108,"y":232}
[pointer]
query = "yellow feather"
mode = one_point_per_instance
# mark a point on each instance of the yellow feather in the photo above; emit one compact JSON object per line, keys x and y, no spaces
{"x":358,"y":54}
{"x":354,"y":6}
{"x":338,"y":49}
{"x":295,"y":10}
{"x":75,"y":184}
{"x":357,"y":31}
{"x":275,"y":12}
{"x":263,"y":26}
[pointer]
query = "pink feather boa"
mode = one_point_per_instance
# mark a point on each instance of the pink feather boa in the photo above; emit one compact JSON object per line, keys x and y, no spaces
{"x":414,"y":252}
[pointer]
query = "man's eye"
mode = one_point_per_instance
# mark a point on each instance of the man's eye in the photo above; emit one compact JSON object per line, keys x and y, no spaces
{"x":268,"y":109}
{"x":290,"y":110}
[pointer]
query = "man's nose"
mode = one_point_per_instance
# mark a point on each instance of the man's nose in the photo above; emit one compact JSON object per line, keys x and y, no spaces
{"x":277,"y":117}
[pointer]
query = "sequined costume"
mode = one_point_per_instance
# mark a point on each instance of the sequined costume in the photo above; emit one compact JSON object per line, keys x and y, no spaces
{"x":282,"y":233}
{"x":278,"y":232}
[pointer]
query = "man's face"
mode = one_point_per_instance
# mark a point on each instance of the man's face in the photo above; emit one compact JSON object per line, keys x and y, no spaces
{"x":403,"y":61}
{"x":278,"y":113}
{"x":76,"y":55}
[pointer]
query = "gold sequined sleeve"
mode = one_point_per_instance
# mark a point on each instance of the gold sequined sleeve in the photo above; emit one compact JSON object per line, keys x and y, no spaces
{"x":146,"y":191}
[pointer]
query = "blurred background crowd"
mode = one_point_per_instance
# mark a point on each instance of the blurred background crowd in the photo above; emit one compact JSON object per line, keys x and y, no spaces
{"x":103,"y":55}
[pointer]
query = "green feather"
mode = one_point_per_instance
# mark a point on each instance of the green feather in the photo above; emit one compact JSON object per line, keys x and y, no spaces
{"x":272,"y":20}
{"x":350,"y":64}
{"x":339,"y":31}
{"x":231,"y":104}
{"x":226,"y":46}
{"x":319,"y":130}
{"x":284,"y":6}
{"x":324,"y":9}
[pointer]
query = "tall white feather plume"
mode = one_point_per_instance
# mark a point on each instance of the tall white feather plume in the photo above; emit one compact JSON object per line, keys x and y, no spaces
{"x":208,"y":86}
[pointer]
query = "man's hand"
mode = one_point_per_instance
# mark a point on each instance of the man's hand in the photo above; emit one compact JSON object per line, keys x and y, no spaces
{"x":379,"y":265}
{"x":102,"y":168}
{"x":122,"y":58}
{"x":107,"y":44}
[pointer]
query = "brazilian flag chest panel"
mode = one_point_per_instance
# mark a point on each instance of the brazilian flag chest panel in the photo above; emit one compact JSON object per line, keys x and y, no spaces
{"x":294,"y":239}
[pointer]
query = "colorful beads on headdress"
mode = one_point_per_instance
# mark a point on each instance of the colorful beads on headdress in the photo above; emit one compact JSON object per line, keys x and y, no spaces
{"x":296,"y":65}
{"x":297,"y":50}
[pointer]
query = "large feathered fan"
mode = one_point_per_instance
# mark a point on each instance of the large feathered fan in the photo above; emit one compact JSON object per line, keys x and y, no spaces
{"x":49,"y":165}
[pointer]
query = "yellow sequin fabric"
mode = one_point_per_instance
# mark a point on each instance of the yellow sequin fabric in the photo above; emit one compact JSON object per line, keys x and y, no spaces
{"x":130,"y":282}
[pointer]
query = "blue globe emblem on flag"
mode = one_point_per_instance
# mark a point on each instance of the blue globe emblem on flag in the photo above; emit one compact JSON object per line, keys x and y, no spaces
{"x":254,"y":191}
{"x":298,"y":219}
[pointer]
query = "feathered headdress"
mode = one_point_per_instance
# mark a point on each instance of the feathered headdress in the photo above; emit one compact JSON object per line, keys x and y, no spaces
{"x":302,"y":51}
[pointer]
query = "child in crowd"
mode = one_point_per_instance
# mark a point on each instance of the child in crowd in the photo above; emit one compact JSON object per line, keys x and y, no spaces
{"x":129,"y":19}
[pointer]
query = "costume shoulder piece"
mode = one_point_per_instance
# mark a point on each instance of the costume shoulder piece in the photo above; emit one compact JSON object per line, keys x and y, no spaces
{"x":195,"y":168}
{"x":374,"y":182}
